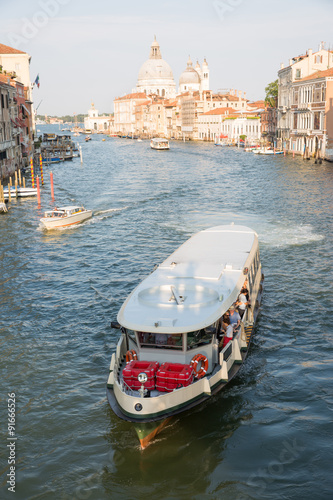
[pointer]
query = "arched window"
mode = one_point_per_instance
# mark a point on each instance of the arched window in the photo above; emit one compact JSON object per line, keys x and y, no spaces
{"x":163,"y":92}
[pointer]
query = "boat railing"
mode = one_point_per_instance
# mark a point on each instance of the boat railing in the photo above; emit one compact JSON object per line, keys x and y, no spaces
{"x":126,"y":388}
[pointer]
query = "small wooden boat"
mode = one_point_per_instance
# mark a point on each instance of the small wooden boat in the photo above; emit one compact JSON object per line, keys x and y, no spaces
{"x":159,"y":144}
{"x":87,"y":138}
{"x":65,"y":216}
{"x":172,"y":354}
{"x":22,"y":192}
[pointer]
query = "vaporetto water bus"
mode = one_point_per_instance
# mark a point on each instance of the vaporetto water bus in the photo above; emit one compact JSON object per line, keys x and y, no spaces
{"x":173,"y":353}
{"x":159,"y":144}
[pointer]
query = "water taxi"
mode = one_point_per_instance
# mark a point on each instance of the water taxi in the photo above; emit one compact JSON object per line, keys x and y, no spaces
{"x":175,"y":350}
{"x":159,"y":144}
{"x":65,"y":216}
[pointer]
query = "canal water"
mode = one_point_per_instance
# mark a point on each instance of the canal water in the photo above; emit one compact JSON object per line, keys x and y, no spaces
{"x":269,"y":435}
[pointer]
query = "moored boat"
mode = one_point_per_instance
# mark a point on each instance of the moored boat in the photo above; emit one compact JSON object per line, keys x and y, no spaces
{"x":65,"y":216}
{"x":22,"y":192}
{"x":173,"y":353}
{"x":159,"y":144}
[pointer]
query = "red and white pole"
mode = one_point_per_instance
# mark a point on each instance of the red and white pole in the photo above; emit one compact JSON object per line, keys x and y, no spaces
{"x":32,"y":172}
{"x":38,"y":192}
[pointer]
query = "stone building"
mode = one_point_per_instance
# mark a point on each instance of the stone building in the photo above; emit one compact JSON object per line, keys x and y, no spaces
{"x":97,"y":123}
{"x":229,"y":124}
{"x":16,"y":112}
{"x":299,"y":67}
{"x":311,"y":127}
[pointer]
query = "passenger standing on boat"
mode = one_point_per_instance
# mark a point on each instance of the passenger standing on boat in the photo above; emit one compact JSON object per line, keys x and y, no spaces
{"x":234,"y":317}
{"x":229,"y":333}
{"x":241,"y":303}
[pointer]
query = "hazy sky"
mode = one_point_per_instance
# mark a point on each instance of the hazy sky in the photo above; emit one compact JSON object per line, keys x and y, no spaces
{"x":88,"y":51}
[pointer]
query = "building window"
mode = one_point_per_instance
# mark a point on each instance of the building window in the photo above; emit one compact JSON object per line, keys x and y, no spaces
{"x":316,"y":121}
{"x":298,"y":73}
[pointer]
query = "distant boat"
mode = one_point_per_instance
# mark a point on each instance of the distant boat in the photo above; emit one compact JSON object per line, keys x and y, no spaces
{"x":65,"y":216}
{"x":159,"y":144}
{"x":52,"y":159}
{"x":267,"y":151}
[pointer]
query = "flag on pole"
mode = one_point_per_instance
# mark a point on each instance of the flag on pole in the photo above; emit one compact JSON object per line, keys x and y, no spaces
{"x":36,"y":82}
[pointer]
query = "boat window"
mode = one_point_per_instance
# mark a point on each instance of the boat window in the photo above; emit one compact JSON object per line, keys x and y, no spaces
{"x":200,"y":337}
{"x":131,"y":335}
{"x":160,"y":340}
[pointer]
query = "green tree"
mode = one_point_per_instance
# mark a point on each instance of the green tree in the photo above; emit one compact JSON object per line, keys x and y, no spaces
{"x":272,"y":91}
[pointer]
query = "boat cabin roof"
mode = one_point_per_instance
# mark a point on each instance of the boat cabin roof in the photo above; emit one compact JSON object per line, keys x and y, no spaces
{"x":159,"y":139}
{"x":195,"y":285}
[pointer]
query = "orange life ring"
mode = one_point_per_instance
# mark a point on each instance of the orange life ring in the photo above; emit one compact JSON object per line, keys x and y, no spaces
{"x":130,"y":355}
{"x":200,"y":358}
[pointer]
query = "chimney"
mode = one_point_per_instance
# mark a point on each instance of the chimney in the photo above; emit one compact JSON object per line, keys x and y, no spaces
{"x":239,"y":95}
{"x":281,"y":66}
{"x":290,"y":62}
{"x":310,"y":53}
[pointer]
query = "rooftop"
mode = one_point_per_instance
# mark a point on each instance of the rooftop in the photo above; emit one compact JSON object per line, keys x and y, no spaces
{"x":5,"y":49}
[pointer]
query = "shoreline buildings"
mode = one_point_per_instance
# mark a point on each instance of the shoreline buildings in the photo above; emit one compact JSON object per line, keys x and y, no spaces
{"x":155,"y":108}
{"x":305,"y":104}
{"x":16,"y":111}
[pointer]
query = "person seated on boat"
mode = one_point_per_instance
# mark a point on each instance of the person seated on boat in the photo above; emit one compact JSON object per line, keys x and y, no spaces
{"x":171,"y":340}
{"x":234,"y":317}
{"x":241,"y":304}
{"x":146,"y":338}
{"x":229,"y":333}
{"x":161,"y":338}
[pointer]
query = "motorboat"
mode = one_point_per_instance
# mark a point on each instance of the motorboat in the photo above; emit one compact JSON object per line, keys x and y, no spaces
{"x":172,"y":355}
{"x":267,"y":151}
{"x":65,"y":216}
{"x":51,"y":159}
{"x":159,"y":144}
{"x":22,"y":192}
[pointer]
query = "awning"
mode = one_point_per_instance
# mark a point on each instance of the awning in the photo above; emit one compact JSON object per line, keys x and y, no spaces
{"x":26,"y":109}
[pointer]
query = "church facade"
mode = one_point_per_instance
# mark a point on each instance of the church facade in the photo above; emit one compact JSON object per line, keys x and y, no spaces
{"x":156,"y":77}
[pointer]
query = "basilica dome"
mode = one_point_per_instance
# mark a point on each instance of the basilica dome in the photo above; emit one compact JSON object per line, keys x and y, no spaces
{"x":155,"y":75}
{"x":190,"y":75}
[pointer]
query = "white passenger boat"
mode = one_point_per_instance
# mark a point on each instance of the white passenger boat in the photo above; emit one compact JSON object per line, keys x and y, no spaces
{"x":65,"y":216}
{"x":170,"y":356}
{"x":22,"y":192}
{"x":267,"y":151}
{"x":159,"y":144}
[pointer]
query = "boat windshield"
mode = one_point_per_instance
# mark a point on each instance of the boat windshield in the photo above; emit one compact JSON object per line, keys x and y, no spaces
{"x":200,"y":337}
{"x":160,"y":340}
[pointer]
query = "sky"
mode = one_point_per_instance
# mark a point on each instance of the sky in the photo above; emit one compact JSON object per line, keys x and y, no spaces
{"x":91,"y":50}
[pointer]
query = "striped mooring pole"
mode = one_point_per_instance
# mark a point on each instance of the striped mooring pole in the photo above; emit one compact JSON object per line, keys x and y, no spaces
{"x":32,"y":172}
{"x":41,"y":169}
